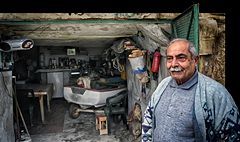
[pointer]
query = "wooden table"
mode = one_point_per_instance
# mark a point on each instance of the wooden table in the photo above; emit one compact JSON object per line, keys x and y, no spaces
{"x":40,"y":90}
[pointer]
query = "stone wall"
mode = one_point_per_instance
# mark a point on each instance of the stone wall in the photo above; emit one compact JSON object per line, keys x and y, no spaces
{"x":6,"y":107}
{"x":212,"y":46}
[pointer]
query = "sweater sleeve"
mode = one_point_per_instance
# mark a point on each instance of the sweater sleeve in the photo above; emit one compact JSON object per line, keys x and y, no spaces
{"x":221,"y":114}
{"x":148,"y":117}
{"x":147,"y":125}
{"x":227,"y":119}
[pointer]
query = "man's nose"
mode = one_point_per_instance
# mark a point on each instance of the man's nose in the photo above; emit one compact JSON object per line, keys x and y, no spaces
{"x":174,"y":62}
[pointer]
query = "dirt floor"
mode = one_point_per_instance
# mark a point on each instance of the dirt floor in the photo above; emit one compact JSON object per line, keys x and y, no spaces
{"x":59,"y":127}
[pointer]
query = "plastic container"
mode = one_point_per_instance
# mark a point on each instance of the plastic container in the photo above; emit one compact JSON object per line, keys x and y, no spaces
{"x":138,"y":64}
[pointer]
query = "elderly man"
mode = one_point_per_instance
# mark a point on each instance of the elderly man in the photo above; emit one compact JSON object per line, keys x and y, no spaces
{"x":189,"y":106}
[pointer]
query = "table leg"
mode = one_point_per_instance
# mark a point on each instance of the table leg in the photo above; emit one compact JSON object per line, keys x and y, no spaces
{"x":49,"y":96}
{"x":41,"y":108}
{"x":48,"y":103}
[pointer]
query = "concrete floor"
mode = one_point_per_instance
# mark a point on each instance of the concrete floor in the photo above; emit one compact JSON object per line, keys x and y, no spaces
{"x":60,"y":127}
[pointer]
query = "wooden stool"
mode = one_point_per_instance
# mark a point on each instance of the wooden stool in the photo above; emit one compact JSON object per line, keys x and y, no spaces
{"x":101,"y":124}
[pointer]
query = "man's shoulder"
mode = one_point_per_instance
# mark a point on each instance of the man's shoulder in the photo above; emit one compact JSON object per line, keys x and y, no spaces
{"x":168,"y":78}
{"x":165,"y":80}
{"x":209,"y":80}
{"x":211,"y":84}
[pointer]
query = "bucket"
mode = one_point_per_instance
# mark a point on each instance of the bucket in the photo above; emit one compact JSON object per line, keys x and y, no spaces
{"x":138,"y":64}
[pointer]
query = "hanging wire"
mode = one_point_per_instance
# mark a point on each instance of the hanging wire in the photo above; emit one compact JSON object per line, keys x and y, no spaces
{"x":117,"y":65}
{"x":42,"y":27}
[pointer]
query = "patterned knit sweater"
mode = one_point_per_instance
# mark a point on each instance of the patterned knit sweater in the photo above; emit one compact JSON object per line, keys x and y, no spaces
{"x":216,"y":114}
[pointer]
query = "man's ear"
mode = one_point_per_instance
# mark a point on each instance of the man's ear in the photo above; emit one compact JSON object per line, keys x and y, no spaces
{"x":196,"y":59}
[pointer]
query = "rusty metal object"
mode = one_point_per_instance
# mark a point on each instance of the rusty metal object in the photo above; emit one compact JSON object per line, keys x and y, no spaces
{"x":135,"y":121}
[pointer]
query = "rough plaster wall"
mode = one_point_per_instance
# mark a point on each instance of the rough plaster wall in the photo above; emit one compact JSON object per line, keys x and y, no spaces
{"x":212,"y":46}
{"x":6,"y":108}
{"x":218,"y":62}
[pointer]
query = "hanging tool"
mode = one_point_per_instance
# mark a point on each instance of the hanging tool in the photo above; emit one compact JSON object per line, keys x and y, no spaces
{"x":28,"y":139}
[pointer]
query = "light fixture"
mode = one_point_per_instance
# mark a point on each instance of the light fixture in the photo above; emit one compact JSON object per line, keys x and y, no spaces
{"x":16,"y":44}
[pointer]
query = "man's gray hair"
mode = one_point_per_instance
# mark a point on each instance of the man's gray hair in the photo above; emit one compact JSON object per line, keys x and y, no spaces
{"x":191,"y":47}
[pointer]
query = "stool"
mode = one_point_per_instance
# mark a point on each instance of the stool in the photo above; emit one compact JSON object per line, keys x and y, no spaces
{"x":101,"y":124}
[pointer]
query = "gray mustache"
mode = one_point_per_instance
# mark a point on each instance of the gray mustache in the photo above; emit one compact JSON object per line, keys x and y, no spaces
{"x":175,"y":69}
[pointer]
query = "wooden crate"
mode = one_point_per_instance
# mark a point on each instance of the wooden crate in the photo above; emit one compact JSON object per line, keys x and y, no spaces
{"x":101,"y":124}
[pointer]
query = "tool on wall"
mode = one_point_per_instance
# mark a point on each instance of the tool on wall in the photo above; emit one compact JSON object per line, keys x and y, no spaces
{"x":23,"y":137}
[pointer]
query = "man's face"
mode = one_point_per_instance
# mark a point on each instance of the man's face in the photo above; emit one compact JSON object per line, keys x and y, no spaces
{"x":179,"y":62}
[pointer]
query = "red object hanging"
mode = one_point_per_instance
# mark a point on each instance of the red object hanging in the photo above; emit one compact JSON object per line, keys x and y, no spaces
{"x":156,"y":61}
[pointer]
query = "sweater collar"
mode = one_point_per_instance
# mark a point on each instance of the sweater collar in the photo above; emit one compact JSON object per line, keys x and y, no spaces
{"x":188,"y":84}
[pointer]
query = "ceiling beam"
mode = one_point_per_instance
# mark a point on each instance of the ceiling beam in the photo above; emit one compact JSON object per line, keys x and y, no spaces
{"x":74,"y":37}
{"x":99,"y":21}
